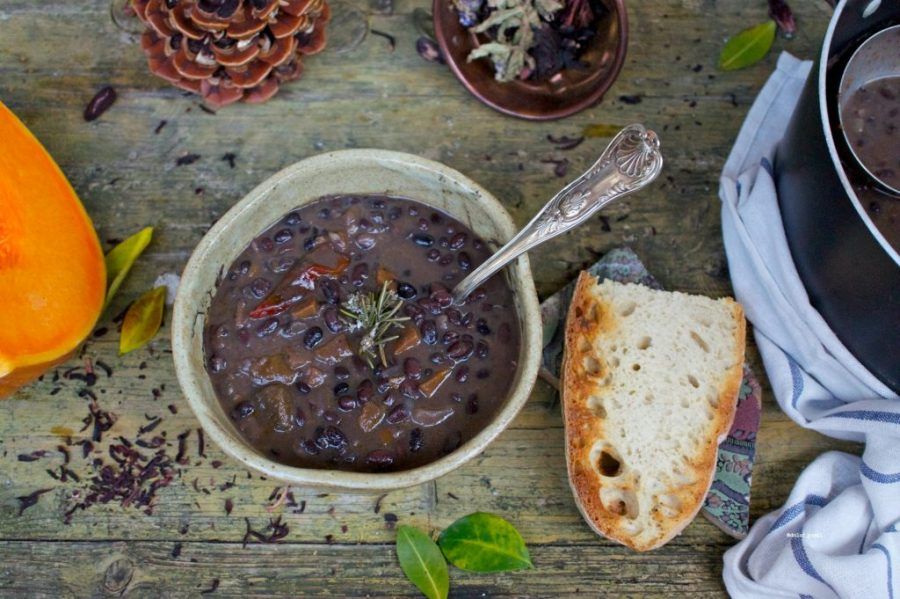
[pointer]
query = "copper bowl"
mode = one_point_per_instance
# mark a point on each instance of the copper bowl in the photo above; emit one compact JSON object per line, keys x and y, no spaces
{"x":568,"y":92}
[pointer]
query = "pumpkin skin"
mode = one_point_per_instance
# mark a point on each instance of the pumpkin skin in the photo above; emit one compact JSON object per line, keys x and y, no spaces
{"x":52,"y":273}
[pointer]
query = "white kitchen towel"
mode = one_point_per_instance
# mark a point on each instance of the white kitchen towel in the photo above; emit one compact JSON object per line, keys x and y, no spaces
{"x":838,"y":535}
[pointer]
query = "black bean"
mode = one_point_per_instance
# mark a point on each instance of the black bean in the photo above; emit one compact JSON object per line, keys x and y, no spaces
{"x":331,"y":290}
{"x":412,"y":211}
{"x":307,"y":446}
{"x":409,"y":389}
{"x":217,"y":363}
{"x":260,"y":287}
{"x":460,"y":350}
{"x":458,"y":240}
{"x":312,"y":337}
{"x":477,"y":244}
{"x":454,"y":316}
{"x":360,"y":274}
{"x":280,"y":264}
{"x":433,"y":255}
{"x":341,"y":373}
{"x":242,"y":410}
{"x":299,"y":418}
{"x":416,"y":440}
{"x":414,"y":312}
{"x":100,"y":103}
{"x":412,"y":368}
{"x":331,"y":416}
{"x":325,"y":213}
{"x":472,"y":404}
{"x":365,"y":391}
{"x":347,"y":403}
{"x":441,"y":295}
{"x":482,"y":327}
{"x":462,"y":374}
{"x":292,"y":219}
{"x":332,"y":321}
{"x":436,"y":218}
{"x":482,"y":349}
{"x":341,"y":388}
{"x":330,"y":437}
{"x":265,"y":245}
{"x":464,"y":261}
{"x":437,"y":358}
{"x":445,"y":260}
{"x":398,"y":414}
{"x":244,"y":267}
{"x":443,"y":242}
{"x":449,"y":337}
{"x":303,"y":387}
{"x":428,"y":332}
{"x":483,"y":373}
{"x":283,"y":236}
{"x":456,"y":397}
{"x":394,"y":212}
{"x":267,"y":327}
{"x":423,"y":239}
{"x":423,"y":224}
{"x":405,"y":290}
{"x":380,"y":458}
{"x":310,"y":243}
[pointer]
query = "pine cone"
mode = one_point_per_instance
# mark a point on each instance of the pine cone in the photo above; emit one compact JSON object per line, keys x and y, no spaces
{"x":230,"y":50}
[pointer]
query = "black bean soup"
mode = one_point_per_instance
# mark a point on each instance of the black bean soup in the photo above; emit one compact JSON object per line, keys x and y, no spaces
{"x":332,"y":341}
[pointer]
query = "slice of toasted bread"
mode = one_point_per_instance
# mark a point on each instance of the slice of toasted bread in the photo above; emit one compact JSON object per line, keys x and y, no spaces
{"x":650,"y":385}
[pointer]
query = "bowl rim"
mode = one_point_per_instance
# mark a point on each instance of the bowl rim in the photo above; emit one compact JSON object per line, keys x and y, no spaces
{"x":585,"y":102}
{"x":184,"y":315}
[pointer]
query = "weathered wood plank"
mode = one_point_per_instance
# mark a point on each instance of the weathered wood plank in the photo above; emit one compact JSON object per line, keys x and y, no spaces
{"x":55,"y":54}
{"x":147,"y":569}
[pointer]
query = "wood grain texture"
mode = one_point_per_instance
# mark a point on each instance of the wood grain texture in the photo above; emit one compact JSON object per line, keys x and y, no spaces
{"x":55,"y":54}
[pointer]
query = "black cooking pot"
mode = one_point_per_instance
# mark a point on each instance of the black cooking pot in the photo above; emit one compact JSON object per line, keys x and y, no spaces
{"x":849,"y":269}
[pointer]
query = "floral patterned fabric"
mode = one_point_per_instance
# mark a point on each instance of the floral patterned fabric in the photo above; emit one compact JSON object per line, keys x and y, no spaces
{"x":727,"y":504}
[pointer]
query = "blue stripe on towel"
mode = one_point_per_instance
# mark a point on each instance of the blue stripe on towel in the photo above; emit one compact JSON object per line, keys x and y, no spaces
{"x":878,"y":477}
{"x":805,"y":596}
{"x":803,"y":560}
{"x":873,"y":415}
{"x":796,"y":380}
{"x":890,"y":574}
{"x":797,"y":509}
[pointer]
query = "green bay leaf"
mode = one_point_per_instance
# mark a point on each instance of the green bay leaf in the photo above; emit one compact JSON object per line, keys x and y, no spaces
{"x":747,"y":47}
{"x":143,"y":319}
{"x":422,"y":562}
{"x":483,"y":542}
{"x":121,"y":258}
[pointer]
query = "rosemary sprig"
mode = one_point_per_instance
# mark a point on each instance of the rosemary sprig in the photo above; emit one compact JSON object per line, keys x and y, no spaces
{"x":376,"y":315}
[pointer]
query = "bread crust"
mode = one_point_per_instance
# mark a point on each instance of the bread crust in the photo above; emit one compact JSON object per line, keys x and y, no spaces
{"x":582,"y":376}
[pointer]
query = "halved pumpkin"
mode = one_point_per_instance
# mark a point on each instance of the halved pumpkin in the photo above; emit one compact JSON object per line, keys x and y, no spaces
{"x":52,"y":274}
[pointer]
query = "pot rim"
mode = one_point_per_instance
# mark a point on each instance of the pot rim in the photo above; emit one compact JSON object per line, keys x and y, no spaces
{"x":825,"y":123}
{"x":185,"y":313}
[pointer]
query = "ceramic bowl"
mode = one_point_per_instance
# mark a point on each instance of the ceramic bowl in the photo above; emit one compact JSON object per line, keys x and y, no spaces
{"x":570,"y":91}
{"x":344,"y":172}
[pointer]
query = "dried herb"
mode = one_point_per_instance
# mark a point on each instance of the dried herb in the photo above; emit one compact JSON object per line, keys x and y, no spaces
{"x":121,"y":258}
{"x":376,"y":315}
{"x":747,"y":47}
{"x":142,"y":321}
{"x":565,"y":142}
{"x":511,"y":24}
{"x":213,"y":587}
{"x":391,"y":40}
{"x":422,"y":562}
{"x":187,"y":159}
{"x":274,"y":531}
{"x":483,"y":542}
{"x":26,"y":501}
{"x":429,"y":50}
{"x":229,"y":157}
{"x":100,"y":103}
{"x":783,"y":16}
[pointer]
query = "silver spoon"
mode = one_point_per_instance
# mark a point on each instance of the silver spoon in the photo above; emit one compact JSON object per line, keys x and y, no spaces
{"x":629,"y":162}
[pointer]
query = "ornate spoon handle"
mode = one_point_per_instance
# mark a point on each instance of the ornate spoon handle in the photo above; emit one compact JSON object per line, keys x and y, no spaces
{"x":630,"y":161}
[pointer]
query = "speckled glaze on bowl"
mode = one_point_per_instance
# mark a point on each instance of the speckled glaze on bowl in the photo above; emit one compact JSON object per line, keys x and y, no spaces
{"x":345,"y":172}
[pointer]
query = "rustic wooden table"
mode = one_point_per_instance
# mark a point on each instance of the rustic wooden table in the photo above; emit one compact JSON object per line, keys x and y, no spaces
{"x":55,"y":54}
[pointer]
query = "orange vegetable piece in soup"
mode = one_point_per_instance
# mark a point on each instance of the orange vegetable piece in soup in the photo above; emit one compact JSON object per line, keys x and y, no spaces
{"x":52,"y":273}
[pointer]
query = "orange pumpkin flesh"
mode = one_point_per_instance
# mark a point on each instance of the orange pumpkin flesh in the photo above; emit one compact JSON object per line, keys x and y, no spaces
{"x":52,"y":274}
